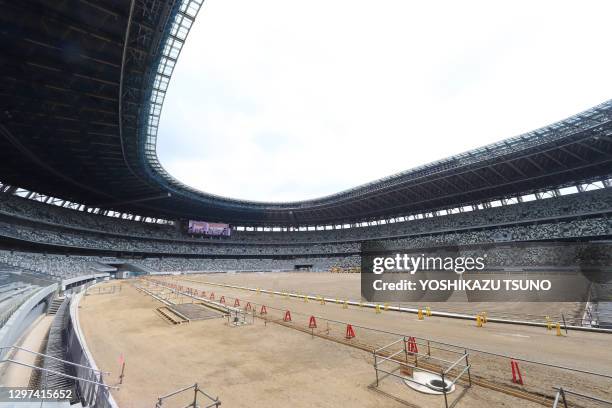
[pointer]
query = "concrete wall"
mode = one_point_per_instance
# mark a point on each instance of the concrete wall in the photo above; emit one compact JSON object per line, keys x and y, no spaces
{"x":79,"y":353}
{"x":82,"y":279}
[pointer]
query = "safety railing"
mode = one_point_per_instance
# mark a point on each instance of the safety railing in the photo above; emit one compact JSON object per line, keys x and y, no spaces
{"x":197,"y":392}
{"x":439,"y":367}
{"x":96,"y":375}
{"x":562,"y":397}
{"x":91,"y":385}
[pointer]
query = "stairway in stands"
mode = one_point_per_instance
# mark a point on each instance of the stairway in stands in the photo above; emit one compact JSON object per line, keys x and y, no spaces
{"x":55,"y":305}
{"x":55,"y":352}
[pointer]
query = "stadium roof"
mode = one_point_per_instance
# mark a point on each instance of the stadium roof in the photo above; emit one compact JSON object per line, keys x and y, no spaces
{"x":81,"y":91}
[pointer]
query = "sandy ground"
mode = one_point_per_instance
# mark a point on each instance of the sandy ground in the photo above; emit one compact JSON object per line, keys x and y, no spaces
{"x":580,"y":350}
{"x":348,"y":286}
{"x":259,"y":365}
{"x":17,"y":375}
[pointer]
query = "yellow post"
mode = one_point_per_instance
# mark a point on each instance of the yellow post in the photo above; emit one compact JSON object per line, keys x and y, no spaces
{"x":345,"y":305}
{"x":428,"y":311}
{"x":478,"y":321}
{"x":548,"y":323}
{"x":559,"y":330}
{"x":420,"y":314}
{"x":386,"y":306}
{"x":322,"y":300}
{"x":484,"y":317}
{"x":305,"y":298}
{"x":258,"y":291}
{"x":361,"y":303}
{"x":377,"y":308}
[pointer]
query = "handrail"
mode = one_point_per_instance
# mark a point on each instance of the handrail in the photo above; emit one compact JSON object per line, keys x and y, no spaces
{"x":8,"y":360}
{"x":54,"y":358}
{"x":455,"y":363}
{"x":388,"y":345}
{"x":176,"y":392}
{"x":562,"y":391}
{"x":467,"y":367}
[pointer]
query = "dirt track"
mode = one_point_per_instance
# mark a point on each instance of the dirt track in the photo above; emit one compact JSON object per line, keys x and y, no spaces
{"x":255,"y":366}
{"x":348,"y":286}
{"x":581,"y":350}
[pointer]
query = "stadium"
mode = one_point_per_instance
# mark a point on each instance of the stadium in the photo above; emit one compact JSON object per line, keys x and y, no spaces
{"x":121,"y":286}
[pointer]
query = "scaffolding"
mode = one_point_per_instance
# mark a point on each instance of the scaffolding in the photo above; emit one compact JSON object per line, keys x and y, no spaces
{"x":237,"y":317}
{"x":400,"y":356}
{"x":197,"y":392}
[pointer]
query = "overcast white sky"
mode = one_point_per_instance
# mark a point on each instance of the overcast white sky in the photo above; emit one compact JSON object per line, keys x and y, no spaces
{"x":277,"y":100}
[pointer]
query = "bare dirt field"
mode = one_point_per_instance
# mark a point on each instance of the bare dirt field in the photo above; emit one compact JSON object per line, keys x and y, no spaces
{"x":259,"y":365}
{"x":578,"y":350}
{"x":348,"y":286}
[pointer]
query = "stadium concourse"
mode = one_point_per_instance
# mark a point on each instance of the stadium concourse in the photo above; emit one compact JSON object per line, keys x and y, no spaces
{"x":102,"y":251}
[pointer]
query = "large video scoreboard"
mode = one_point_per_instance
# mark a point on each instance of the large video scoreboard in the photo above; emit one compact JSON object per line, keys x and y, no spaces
{"x":208,"y":228}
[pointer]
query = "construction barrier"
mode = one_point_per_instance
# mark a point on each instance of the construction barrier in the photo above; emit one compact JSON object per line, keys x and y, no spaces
{"x":350,"y":333}
{"x":517,"y":378}
{"x":411,"y":345}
